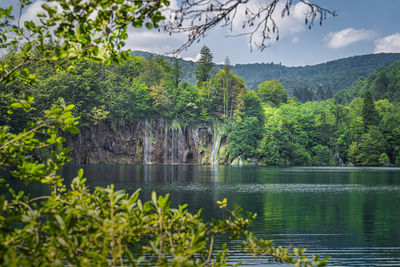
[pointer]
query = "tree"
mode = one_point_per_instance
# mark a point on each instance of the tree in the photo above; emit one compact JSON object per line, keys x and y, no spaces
{"x":303,"y":94}
{"x":369,"y":113}
{"x":368,"y":152}
{"x":322,"y":156}
{"x":320,"y":94}
{"x":228,"y":94}
{"x":176,"y":73}
{"x":242,"y":138}
{"x":204,"y":66}
{"x":245,"y":135}
{"x":227,"y":85}
{"x":133,"y":102}
{"x":328,"y":93}
{"x":152,"y":71}
{"x":272,"y":92}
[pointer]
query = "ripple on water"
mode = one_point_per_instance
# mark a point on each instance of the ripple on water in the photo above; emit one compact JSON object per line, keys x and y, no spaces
{"x":261,"y":188}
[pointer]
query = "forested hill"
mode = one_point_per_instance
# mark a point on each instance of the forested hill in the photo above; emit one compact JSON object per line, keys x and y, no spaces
{"x":384,"y":83}
{"x":337,"y":74}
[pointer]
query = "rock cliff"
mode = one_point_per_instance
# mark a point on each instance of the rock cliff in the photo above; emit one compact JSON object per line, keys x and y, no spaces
{"x":149,"y":142}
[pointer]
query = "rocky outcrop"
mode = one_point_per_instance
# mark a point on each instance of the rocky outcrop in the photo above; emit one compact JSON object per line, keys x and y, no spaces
{"x":149,"y":142}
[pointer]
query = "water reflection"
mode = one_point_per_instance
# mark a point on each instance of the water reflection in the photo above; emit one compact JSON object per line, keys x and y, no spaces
{"x":351,"y":214}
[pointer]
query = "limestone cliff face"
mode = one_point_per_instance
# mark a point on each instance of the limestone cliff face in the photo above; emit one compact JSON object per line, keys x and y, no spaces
{"x":149,"y":142}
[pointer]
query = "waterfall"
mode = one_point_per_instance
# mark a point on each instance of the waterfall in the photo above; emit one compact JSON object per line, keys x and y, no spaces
{"x":173,"y":131}
{"x":165,"y":160}
{"x":214,"y":152}
{"x":338,"y":159}
{"x":240,"y":161}
{"x":146,"y":144}
{"x":181,"y":145}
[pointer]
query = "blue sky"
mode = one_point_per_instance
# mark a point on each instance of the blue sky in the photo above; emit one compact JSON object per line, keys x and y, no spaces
{"x":361,"y":27}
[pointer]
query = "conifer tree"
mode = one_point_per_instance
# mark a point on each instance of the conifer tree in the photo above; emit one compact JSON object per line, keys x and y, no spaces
{"x":320,"y":94}
{"x":204,"y":66}
{"x":227,"y":69}
{"x":369,"y":113}
{"x":176,"y":72}
{"x":328,"y":93}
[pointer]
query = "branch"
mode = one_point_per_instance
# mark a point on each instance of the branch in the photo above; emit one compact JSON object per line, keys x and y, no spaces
{"x":22,"y":136}
{"x":197,"y":17}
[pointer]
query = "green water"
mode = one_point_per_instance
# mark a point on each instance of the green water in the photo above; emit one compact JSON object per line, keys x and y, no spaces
{"x":351,"y":214}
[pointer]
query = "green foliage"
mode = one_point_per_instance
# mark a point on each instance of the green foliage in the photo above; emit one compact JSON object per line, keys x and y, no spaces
{"x":228,"y":94}
{"x":384,"y":160}
{"x":334,"y":75}
{"x":68,"y":32}
{"x":204,"y":66}
{"x":17,"y":148}
{"x":383,"y":83}
{"x":322,"y":156}
{"x":324,"y":133}
{"x":368,"y":151}
{"x":337,"y":74}
{"x":241,"y":138}
{"x":370,"y":115}
{"x":184,"y":103}
{"x":272,"y":92}
{"x":245,"y":134}
{"x":133,"y":102}
{"x":303,"y":94}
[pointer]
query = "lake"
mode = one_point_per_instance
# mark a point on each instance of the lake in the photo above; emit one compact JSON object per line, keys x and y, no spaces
{"x":351,"y":214}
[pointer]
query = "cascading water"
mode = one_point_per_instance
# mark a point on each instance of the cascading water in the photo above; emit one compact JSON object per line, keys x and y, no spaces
{"x":181,"y":142}
{"x":215,"y":148}
{"x":173,"y":134}
{"x":146,"y":144}
{"x":165,"y":149}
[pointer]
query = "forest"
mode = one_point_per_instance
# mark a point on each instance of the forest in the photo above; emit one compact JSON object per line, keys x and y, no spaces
{"x":336,"y":74}
{"x":358,"y":126}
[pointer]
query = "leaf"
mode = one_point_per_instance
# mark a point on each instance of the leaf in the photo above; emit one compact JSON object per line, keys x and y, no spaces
{"x":80,"y":173}
{"x":60,"y":222}
{"x":62,"y":242}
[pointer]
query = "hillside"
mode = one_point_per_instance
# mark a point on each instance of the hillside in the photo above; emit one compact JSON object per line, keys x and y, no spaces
{"x":384,"y":82}
{"x":337,"y":74}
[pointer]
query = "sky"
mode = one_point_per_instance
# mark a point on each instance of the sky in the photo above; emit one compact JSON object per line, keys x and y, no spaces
{"x":360,"y":27}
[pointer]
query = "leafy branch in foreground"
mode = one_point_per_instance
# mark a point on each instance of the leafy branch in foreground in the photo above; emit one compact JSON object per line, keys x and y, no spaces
{"x":107,"y":227}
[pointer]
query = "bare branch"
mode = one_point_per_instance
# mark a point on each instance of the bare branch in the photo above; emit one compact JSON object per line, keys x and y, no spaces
{"x":197,"y":17}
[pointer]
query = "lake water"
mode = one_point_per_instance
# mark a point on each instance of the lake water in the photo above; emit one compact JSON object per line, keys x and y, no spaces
{"x":351,"y":214}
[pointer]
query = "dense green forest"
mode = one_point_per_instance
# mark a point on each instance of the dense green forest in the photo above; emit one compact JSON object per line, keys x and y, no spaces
{"x":384,"y":83}
{"x":263,"y":124}
{"x":336,"y":75}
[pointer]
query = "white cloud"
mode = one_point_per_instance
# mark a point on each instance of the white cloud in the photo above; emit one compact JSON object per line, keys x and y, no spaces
{"x":294,"y":23}
{"x":347,"y":37}
{"x":295,"y":40}
{"x":153,"y":41}
{"x":195,"y":59}
{"x":388,"y":44}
